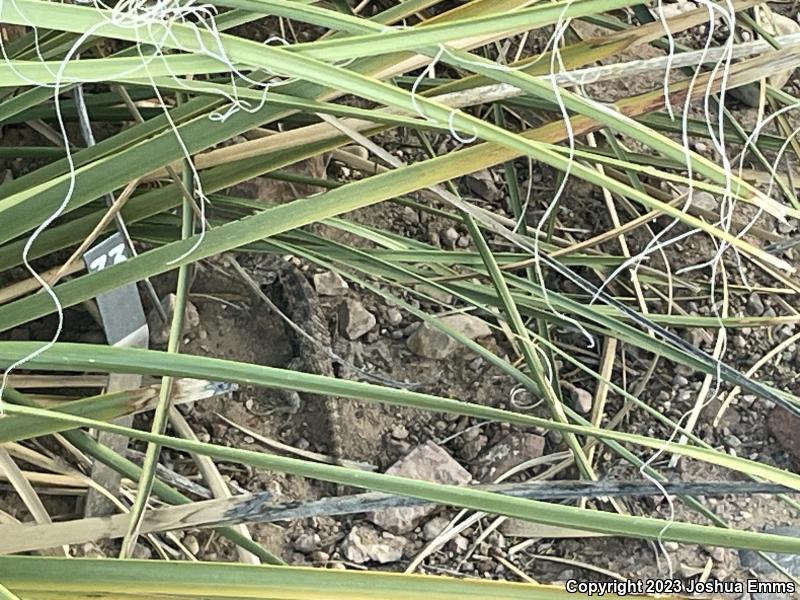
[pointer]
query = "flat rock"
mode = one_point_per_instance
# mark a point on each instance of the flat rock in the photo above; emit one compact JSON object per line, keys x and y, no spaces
{"x":509,"y":452}
{"x":330,"y":284}
{"x":354,"y":319}
{"x":429,"y":342}
{"x":435,"y":293}
{"x":159,"y":330}
{"x":467,"y":325}
{"x":427,"y":462}
{"x":365,"y":544}
{"x":704,"y":200}
{"x":482,"y":184}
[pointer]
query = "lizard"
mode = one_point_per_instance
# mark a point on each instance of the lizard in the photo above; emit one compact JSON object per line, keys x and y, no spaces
{"x":287,"y":290}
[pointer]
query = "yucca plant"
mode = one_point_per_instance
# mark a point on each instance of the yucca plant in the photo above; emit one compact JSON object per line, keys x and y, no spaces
{"x":190,"y":102}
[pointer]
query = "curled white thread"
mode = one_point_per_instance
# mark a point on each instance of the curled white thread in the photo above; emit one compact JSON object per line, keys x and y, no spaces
{"x":49,"y":220}
{"x":726,"y":211}
{"x":156,"y":21}
{"x":560,"y":28}
{"x":670,"y":55}
{"x":727,"y":202}
{"x":751,"y":142}
{"x":426,"y":72}
{"x":555,"y":57}
{"x":203,"y":21}
{"x":455,"y":134}
{"x":656,"y":243}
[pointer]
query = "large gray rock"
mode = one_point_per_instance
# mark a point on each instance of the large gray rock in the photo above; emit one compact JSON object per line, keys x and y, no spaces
{"x":364,"y":544}
{"x":790,"y":562}
{"x":427,"y":462}
{"x":355,"y":320}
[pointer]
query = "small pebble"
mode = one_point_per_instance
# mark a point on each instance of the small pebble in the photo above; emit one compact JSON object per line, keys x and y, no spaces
{"x":475,"y":363}
{"x":191,"y":544}
{"x":318,"y":556}
{"x":400,"y":432}
{"x":460,"y":543}
{"x":393,"y":316}
{"x":471,"y":434}
{"x":434,"y":527}
{"x":754,"y":305}
{"x":307,"y":542}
